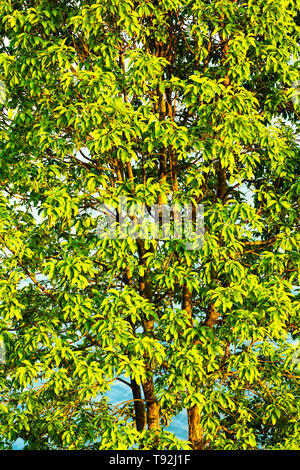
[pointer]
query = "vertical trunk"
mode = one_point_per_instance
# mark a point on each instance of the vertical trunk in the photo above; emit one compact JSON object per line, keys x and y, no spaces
{"x":139,"y":407}
{"x":211,"y":315}
{"x":187,"y":299}
{"x":194,"y":427}
{"x":152,"y":404}
{"x":148,"y":325}
{"x":222,"y":183}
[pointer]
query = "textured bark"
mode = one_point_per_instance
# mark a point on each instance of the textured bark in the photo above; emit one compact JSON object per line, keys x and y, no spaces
{"x":211,"y":316}
{"x":222,"y":183}
{"x":152,"y":404}
{"x":187,"y":299}
{"x":139,"y":407}
{"x":194,"y":428}
{"x":148,"y":325}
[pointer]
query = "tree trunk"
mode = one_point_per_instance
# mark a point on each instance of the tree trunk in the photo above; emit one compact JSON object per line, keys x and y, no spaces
{"x":139,"y":407}
{"x":148,"y":326}
{"x":222,"y":183}
{"x":194,"y":427}
{"x":152,"y":404}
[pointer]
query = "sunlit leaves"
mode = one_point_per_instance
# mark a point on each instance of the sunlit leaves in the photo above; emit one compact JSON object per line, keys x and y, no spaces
{"x":189,"y":102}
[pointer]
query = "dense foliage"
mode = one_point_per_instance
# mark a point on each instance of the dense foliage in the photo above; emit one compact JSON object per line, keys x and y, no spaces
{"x":183,"y":101}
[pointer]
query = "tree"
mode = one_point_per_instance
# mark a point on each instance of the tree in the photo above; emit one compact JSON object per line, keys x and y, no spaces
{"x":187,"y":102}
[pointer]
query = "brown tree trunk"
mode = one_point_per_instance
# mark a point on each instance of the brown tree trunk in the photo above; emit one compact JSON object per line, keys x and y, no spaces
{"x":152,"y":404}
{"x":211,"y":315}
{"x":194,"y":428}
{"x":148,"y":325}
{"x":222,"y":183}
{"x":195,"y":435}
{"x":139,"y":407}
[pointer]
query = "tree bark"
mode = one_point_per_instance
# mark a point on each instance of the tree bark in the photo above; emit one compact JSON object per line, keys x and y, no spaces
{"x":195,"y":434}
{"x":152,"y":404}
{"x":139,"y":407}
{"x":211,"y":315}
{"x":194,"y":428}
{"x":148,"y":325}
{"x":222,"y":183}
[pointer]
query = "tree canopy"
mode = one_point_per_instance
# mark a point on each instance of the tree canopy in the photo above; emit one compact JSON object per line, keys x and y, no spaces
{"x":161,"y":102}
